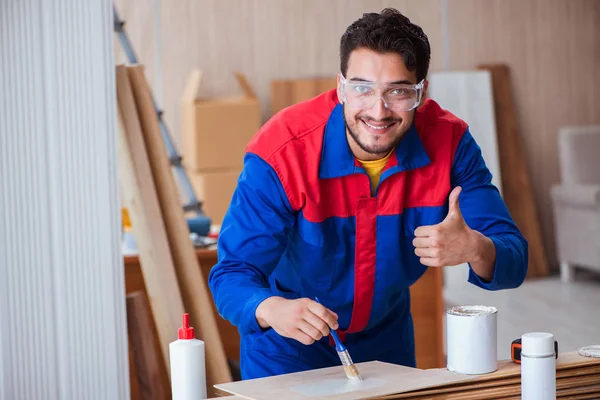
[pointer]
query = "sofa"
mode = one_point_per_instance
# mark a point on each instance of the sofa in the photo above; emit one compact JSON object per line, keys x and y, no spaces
{"x":576,"y":200}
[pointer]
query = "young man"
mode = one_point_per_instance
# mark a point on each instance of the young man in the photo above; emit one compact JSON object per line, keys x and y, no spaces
{"x":350,"y":197}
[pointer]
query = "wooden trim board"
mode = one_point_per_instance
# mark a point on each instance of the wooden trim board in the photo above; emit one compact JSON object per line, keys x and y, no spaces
{"x":139,"y":196}
{"x":194,"y":290}
{"x":517,"y":189}
{"x":379,"y":379}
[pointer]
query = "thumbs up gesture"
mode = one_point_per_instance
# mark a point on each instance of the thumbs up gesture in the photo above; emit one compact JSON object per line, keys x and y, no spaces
{"x":451,"y":242}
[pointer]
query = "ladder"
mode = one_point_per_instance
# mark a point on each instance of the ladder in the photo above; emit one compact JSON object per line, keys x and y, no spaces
{"x":175,"y":159}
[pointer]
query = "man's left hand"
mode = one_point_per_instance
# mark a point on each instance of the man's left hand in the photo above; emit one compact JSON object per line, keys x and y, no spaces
{"x":451,"y":242}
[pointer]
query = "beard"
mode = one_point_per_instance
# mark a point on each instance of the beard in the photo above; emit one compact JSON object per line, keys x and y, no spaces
{"x":374,"y":148}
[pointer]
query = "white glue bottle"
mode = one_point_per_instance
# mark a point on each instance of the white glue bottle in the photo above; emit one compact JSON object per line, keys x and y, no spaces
{"x":538,"y":366}
{"x":188,"y":367}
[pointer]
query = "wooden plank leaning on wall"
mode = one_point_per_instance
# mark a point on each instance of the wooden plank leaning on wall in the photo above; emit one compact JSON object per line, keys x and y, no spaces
{"x":516,"y":181}
{"x":139,"y":196}
{"x":194,"y":289}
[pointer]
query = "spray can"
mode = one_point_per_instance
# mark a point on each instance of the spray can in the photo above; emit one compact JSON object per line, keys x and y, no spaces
{"x":538,"y":366}
{"x":188,"y":366}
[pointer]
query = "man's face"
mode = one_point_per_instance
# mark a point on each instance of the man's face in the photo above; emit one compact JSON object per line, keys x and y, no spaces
{"x":373,"y":131}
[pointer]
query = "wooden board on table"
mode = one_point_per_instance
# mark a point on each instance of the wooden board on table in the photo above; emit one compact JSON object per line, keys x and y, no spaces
{"x":379,"y":379}
{"x":286,"y":92}
{"x":516,"y":181}
{"x":140,"y":198}
{"x":570,"y":367}
{"x":194,"y":289}
{"x":476,"y":389}
{"x":563,"y":387}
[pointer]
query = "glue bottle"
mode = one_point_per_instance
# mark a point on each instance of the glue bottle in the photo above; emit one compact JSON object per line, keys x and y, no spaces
{"x":188,"y":367}
{"x":538,"y":366}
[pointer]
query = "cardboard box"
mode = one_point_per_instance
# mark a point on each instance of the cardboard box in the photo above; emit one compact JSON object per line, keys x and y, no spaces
{"x":215,"y":131}
{"x":286,"y":92}
{"x":215,"y":190}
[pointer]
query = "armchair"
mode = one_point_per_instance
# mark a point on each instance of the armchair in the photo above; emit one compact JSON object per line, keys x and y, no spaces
{"x":576,"y":200}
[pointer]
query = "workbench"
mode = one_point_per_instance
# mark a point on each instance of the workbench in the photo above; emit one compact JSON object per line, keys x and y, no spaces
{"x":427,"y":306}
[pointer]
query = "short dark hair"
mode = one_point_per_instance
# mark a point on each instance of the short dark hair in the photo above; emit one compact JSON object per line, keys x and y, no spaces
{"x":388,"y":32}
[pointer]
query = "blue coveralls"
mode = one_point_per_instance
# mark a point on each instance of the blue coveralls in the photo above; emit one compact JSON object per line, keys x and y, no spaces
{"x":303,"y":223}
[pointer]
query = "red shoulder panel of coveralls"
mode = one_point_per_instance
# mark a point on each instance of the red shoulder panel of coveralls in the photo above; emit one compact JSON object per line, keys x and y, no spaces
{"x":291,"y":142}
{"x":428,"y":186}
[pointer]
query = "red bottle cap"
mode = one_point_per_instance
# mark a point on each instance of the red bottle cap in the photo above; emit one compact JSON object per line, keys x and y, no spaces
{"x":186,"y":332}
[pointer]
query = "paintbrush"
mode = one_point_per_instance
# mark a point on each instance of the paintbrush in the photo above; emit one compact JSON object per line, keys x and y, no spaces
{"x":349,"y":367}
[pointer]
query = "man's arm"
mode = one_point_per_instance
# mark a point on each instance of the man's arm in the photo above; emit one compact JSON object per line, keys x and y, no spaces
{"x":252,"y":239}
{"x":500,"y":251}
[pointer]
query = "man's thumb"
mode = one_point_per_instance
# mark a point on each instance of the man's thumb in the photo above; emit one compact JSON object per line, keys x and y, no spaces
{"x":453,"y":207}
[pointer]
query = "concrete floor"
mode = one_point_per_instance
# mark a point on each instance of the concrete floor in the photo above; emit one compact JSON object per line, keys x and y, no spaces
{"x":569,"y":311}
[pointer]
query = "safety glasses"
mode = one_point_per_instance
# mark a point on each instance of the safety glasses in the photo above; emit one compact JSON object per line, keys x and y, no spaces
{"x":396,"y":97}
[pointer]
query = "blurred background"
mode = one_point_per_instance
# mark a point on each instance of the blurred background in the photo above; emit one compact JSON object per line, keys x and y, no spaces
{"x":522,"y":73}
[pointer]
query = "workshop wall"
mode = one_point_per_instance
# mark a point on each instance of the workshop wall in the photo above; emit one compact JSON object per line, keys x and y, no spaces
{"x":551,"y":46}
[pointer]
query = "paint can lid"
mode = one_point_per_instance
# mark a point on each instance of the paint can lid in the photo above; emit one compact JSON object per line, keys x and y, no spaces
{"x":590,"y":351}
{"x":470,"y":311}
{"x":537,"y":344}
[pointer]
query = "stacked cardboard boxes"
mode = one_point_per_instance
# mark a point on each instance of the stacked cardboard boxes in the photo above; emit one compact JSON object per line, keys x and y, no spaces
{"x":215,"y":133}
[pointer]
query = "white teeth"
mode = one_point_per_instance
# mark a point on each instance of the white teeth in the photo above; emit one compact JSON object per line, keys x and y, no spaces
{"x":376,"y":127}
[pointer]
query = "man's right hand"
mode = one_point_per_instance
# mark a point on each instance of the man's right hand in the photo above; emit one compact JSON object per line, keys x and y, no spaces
{"x":303,"y":319}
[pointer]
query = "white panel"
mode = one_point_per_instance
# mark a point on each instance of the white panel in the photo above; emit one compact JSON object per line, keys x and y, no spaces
{"x":62,"y":293}
{"x":468,"y":95}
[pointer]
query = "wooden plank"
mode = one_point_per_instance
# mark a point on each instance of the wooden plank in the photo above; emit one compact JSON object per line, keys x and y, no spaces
{"x":563,"y":381}
{"x":516,"y":181}
{"x":379,"y":379}
{"x":147,"y":361}
{"x":194,"y":289}
{"x":563,"y":387}
{"x":286,"y":92}
{"x":427,"y":309}
{"x":593,"y":395}
{"x":134,"y":385}
{"x":139,"y":196}
{"x":570,"y":367}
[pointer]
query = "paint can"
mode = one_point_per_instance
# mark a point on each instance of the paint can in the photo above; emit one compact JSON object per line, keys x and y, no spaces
{"x":471,"y":339}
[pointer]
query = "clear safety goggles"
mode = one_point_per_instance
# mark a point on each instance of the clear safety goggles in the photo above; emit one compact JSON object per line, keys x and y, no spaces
{"x":395,"y":97}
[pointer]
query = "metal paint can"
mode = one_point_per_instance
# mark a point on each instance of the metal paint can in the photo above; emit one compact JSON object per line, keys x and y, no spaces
{"x":471,"y":339}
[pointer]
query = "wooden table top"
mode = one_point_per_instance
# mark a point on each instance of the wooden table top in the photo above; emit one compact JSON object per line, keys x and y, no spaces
{"x":209,"y":253}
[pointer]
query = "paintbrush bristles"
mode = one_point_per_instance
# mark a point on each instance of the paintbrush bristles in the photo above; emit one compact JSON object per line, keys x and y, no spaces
{"x":349,"y":367}
{"x":352,"y":372}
